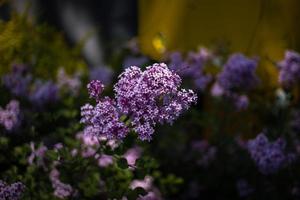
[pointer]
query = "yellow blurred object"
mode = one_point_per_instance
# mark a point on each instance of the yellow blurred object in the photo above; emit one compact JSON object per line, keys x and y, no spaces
{"x":265,"y":28}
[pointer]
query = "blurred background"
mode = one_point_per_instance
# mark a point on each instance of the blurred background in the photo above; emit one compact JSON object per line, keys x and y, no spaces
{"x":50,"y":51}
{"x":254,"y":27}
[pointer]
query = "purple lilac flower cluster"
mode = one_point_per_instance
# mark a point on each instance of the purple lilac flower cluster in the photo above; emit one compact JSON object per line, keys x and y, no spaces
{"x":69,"y":83}
{"x":237,"y":76}
{"x":61,"y":190}
{"x":20,"y":83}
{"x":11,"y":192}
{"x":142,"y":98}
{"x":192,"y":66}
{"x":147,"y":185}
{"x":103,"y":119}
{"x":289,"y":73}
{"x":269,"y":156}
{"x":44,"y":93}
{"x":10,"y":116}
{"x":37,"y":155}
{"x":18,"y":80}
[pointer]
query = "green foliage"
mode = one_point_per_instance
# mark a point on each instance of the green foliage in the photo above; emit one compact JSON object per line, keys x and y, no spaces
{"x":39,"y":46}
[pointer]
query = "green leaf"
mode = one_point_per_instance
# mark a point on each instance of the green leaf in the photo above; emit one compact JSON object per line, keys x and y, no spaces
{"x":122,"y":163}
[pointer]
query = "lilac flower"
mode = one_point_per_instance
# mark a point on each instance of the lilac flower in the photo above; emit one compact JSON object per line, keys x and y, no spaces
{"x":192,"y":66}
{"x":147,"y":185}
{"x":103,"y":120}
{"x":176,"y":62}
{"x":10,"y":116}
{"x":105,"y":160}
{"x":44,"y":93}
{"x":151,"y":96}
{"x":95,"y":88}
{"x":61,"y":190}
{"x":103,"y":74}
{"x":202,"y":81}
{"x":269,"y":156}
{"x":217,"y":90}
{"x":131,"y":155}
{"x":244,"y":189}
{"x":143,"y":99}
{"x":11,"y":192}
{"x":88,"y":140}
{"x":289,"y":69}
{"x":69,"y":83}
{"x":241,"y":102}
{"x":37,"y":154}
{"x":238,"y":74}
{"x":88,"y":151}
{"x":18,"y":80}
{"x":133,"y":46}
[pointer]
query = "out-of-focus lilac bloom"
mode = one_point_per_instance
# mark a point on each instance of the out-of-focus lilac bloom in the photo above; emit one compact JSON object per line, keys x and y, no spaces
{"x":269,"y":156}
{"x":10,"y":116}
{"x":289,"y":73}
{"x":238,"y":74}
{"x":37,"y":154}
{"x":90,"y":142}
{"x":191,"y":67}
{"x":146,"y":184}
{"x":113,"y":144}
{"x":74,"y":152}
{"x":208,"y":152}
{"x":195,"y":63}
{"x":68,"y":83}
{"x":202,"y":81}
{"x":18,"y":80}
{"x":217,"y":90}
{"x":103,"y":74}
{"x":13,"y":191}
{"x":58,"y":146}
{"x":133,"y":46}
{"x":87,"y":152}
{"x":105,"y":160}
{"x":176,"y":62}
{"x":243,"y":188}
{"x":44,"y":93}
{"x":241,"y":102}
{"x":134,"y":61}
{"x":132,"y":155}
{"x":61,"y":190}
{"x":205,"y":54}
